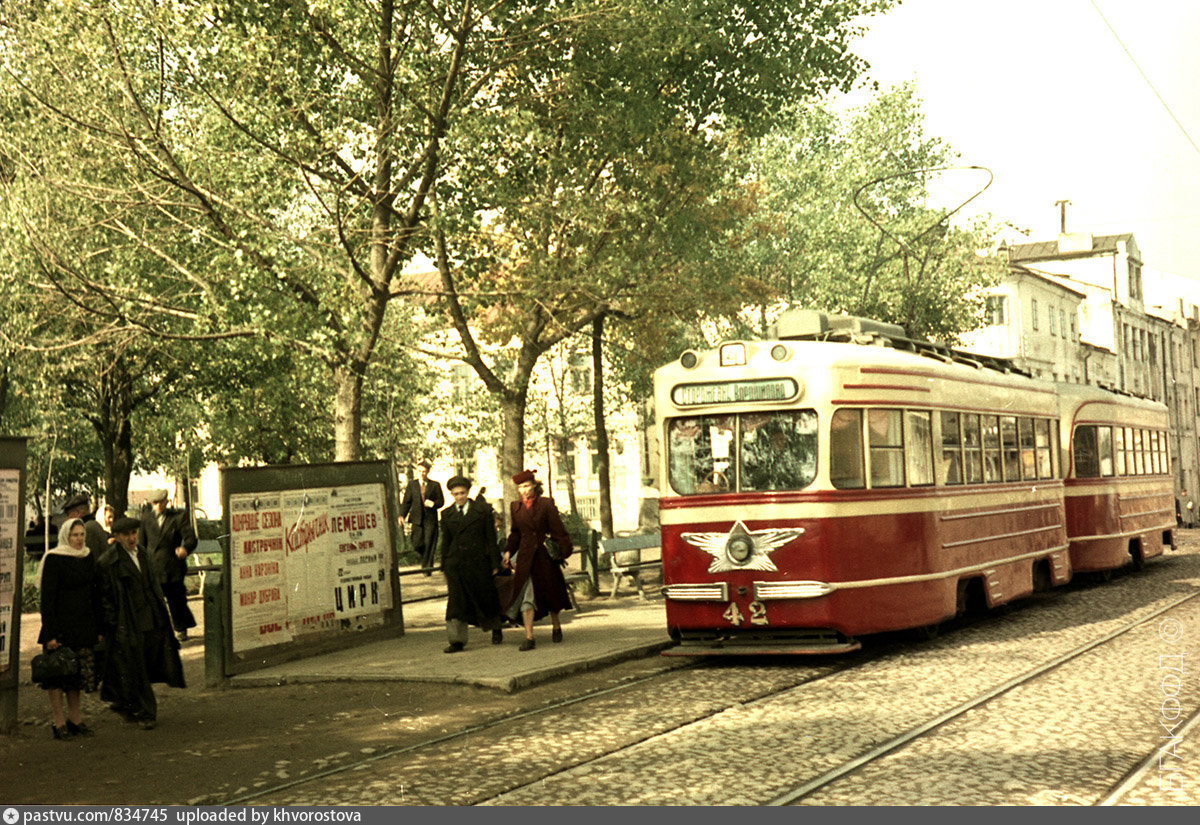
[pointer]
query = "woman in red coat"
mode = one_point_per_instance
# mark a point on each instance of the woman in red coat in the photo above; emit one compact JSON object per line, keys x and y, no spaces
{"x":538,"y":584}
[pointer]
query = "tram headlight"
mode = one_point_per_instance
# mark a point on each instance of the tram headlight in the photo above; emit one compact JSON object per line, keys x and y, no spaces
{"x":689,"y":360}
{"x":779,"y":352}
{"x":740,"y":548}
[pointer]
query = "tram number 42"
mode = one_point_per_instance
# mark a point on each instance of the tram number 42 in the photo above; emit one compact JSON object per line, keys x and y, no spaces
{"x":757,"y":610}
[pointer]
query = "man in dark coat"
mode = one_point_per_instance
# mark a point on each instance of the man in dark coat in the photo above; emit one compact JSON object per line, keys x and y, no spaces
{"x":167,"y":536}
{"x":140,"y":649}
{"x":422,"y":500}
{"x":95,"y":536}
{"x":470,"y":559}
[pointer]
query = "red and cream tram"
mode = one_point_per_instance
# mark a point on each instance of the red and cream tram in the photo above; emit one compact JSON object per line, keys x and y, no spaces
{"x":1119,"y":493}
{"x":815,"y":490}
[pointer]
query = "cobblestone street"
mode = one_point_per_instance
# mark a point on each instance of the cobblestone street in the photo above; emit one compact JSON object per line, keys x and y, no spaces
{"x":735,"y":733}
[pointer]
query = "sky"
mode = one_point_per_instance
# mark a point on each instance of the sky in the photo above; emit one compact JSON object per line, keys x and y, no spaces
{"x":1042,"y":93}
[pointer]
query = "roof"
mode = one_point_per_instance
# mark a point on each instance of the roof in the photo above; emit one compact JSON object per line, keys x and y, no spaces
{"x":1048,"y":250}
{"x":1047,"y":278}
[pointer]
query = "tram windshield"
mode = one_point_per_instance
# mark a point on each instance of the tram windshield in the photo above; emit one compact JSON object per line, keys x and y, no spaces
{"x":749,"y":452}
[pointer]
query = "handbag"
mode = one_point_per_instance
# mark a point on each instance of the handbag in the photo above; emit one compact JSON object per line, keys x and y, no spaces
{"x":60,"y":663}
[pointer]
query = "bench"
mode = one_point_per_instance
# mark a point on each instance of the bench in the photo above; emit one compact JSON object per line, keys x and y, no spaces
{"x":625,"y":558}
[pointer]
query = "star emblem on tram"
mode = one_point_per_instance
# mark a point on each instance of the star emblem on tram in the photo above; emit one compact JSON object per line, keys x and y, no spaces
{"x":741,"y":549}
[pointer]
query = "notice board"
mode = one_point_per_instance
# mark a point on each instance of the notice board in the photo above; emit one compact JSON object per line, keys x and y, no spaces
{"x":309,"y":561}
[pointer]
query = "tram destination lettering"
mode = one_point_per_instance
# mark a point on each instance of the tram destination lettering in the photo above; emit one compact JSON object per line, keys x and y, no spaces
{"x":779,"y":389}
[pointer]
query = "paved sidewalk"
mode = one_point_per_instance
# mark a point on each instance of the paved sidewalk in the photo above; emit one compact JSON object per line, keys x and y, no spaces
{"x":601,"y":632}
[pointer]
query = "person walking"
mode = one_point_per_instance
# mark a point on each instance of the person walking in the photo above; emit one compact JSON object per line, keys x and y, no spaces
{"x":167,"y":536}
{"x":470,"y":560}
{"x":422,"y":500}
{"x":538,"y":584}
{"x":71,"y":617}
{"x":140,"y":648}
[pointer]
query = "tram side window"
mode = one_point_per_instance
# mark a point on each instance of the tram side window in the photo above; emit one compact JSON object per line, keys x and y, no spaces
{"x":1086,"y":452}
{"x":950,"y":470}
{"x":1028,"y":446}
{"x":1045,"y":461}
{"x":1119,"y":449}
{"x":1130,"y":452}
{"x":972,"y":449}
{"x":846,"y":450}
{"x":1165,"y":452}
{"x":991,"y":448}
{"x":918,"y":439}
{"x":1105,"y":447}
{"x":1139,"y":457}
{"x":1154,"y":451}
{"x":1009,"y":449}
{"x":886,"y":442}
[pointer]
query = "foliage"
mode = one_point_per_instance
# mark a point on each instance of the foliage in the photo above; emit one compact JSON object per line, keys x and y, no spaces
{"x":807,"y":239}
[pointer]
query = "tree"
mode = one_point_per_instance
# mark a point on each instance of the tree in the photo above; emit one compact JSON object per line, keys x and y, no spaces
{"x":817,"y":249}
{"x":605,"y":189}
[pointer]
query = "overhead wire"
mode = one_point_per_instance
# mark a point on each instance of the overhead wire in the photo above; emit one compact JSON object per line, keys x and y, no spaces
{"x":1145,"y":77}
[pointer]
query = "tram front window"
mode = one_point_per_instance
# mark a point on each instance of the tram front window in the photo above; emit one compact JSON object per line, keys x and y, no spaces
{"x":779,"y":450}
{"x":748,"y":452}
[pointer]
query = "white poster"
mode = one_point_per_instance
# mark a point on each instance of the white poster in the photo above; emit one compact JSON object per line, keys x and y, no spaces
{"x":362,"y":552}
{"x":309,"y":548}
{"x":11,"y":556}
{"x":258,"y":572}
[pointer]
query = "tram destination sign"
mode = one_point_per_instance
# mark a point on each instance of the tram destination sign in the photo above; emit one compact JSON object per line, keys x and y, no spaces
{"x":725,"y":392}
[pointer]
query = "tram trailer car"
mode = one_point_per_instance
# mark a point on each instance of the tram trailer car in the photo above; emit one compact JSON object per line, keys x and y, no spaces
{"x":815,"y":491}
{"x":1120,"y":503}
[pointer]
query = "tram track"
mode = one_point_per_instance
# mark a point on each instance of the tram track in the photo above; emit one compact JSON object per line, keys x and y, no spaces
{"x":608,"y":765}
{"x":493,"y":724}
{"x":490,"y":725}
{"x":897,"y":742}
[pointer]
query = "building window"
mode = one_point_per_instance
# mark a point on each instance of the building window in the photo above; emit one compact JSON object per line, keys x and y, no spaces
{"x":1062,"y":323}
{"x":460,"y":383}
{"x":580,"y":374}
{"x":1050,"y":319}
{"x":996,"y":310}
{"x":1135,"y":281}
{"x":1035,"y":315}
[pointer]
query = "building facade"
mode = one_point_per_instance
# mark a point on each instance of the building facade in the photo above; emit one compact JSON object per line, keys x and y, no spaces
{"x":1076,"y":310}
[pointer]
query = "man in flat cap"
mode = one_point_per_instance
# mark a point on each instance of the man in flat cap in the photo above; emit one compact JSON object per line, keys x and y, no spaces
{"x":470,"y":560}
{"x":167,"y":536}
{"x":137,"y":629}
{"x":422,"y":500}
{"x":95,"y":537}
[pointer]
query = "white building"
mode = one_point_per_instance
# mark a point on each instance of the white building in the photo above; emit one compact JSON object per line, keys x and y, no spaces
{"x":1111,"y":337}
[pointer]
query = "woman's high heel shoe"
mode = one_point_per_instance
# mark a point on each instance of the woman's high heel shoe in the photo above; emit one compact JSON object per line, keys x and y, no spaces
{"x":79,"y":730}
{"x":61,"y":733}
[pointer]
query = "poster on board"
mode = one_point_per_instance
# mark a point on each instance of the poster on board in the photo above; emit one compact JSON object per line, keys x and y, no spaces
{"x":11,"y":552}
{"x":306,"y":561}
{"x":257,"y":571}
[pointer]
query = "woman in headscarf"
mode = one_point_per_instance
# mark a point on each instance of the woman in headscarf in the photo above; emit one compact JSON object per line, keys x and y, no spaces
{"x":538,"y":584}
{"x":71,"y":617}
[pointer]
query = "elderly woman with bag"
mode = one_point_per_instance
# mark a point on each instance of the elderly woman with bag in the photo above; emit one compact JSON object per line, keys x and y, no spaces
{"x":538,"y":584}
{"x":71,"y":617}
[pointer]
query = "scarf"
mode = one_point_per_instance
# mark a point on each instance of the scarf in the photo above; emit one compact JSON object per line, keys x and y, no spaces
{"x":63,"y":549}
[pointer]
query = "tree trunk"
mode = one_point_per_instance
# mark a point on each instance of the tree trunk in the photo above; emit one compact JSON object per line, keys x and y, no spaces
{"x":114,"y":429}
{"x":606,"y":516}
{"x":512,"y":440}
{"x":347,"y":414}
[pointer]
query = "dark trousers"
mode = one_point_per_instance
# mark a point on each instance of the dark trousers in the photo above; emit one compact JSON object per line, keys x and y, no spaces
{"x":128,"y":686}
{"x":424,"y":538}
{"x":177,"y":603}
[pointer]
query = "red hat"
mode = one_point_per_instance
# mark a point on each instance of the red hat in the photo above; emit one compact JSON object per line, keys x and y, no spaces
{"x":523,"y":476}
